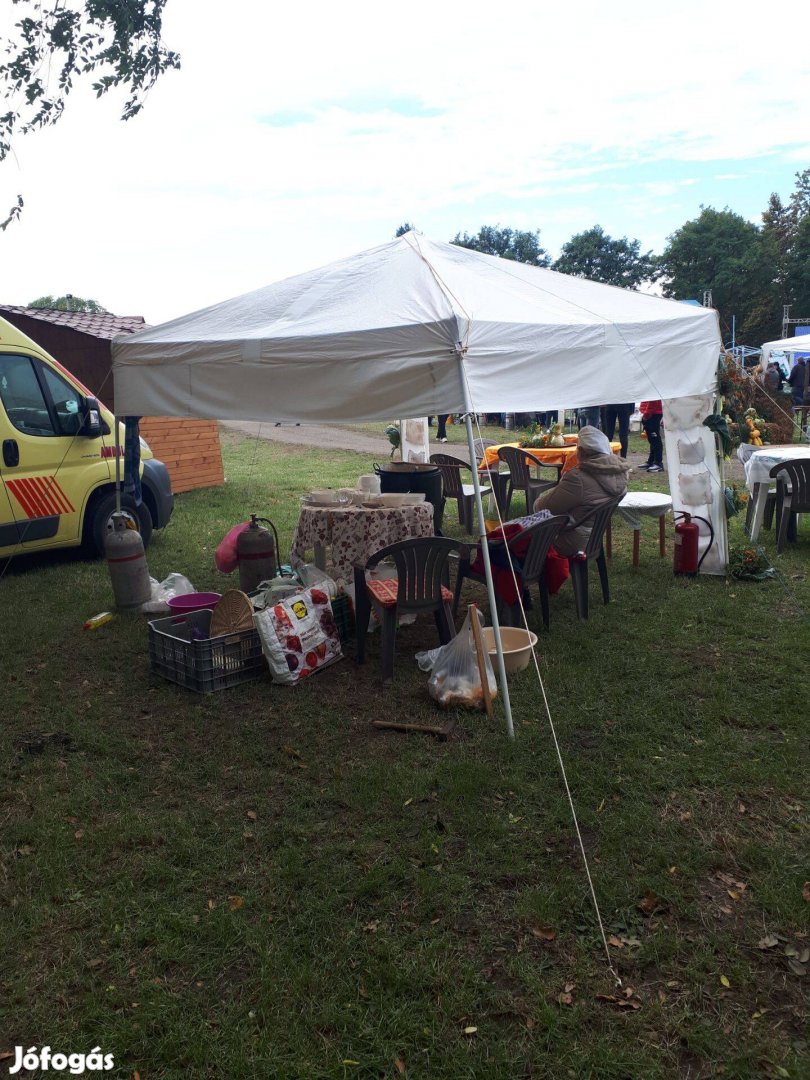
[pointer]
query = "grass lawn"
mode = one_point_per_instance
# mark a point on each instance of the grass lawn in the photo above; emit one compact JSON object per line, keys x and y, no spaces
{"x":257,"y":883}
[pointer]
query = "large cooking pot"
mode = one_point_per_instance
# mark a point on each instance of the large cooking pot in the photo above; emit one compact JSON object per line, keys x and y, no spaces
{"x":402,"y":476}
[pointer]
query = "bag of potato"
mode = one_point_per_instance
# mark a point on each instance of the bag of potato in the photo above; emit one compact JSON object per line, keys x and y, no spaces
{"x":299,"y":636}
{"x":455,"y":679}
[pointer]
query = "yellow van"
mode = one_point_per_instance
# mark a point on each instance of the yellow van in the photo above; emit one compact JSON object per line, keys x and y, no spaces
{"x":57,"y":458}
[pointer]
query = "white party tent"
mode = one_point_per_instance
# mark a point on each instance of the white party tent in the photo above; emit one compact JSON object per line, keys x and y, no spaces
{"x":791,"y":345}
{"x":396,"y":330}
{"x":414,"y":327}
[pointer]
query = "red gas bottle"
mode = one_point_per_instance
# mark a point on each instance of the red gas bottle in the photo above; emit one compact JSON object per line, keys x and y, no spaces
{"x":687,"y":537}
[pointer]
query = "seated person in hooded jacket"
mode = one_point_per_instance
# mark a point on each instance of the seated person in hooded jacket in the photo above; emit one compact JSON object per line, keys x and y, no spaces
{"x":599,"y":477}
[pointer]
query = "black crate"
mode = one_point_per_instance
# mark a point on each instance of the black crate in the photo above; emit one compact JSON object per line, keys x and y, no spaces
{"x":344,"y":617}
{"x":207,"y":665}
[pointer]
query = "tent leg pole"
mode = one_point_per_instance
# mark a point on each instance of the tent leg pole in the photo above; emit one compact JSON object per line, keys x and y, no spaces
{"x":493,"y":607}
{"x":117,"y":466}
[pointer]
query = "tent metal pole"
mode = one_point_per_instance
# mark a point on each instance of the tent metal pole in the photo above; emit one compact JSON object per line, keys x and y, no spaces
{"x":482,"y":532}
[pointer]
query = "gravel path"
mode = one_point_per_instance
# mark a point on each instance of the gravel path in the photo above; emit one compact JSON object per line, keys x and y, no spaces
{"x":333,"y":437}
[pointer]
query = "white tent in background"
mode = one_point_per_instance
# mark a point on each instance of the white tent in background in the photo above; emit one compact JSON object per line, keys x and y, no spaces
{"x":800,"y":344}
{"x":415,"y":327}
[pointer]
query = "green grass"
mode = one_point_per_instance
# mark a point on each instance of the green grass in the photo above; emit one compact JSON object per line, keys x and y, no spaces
{"x":397,"y":890}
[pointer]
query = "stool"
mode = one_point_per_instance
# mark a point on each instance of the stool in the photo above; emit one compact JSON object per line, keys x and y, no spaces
{"x":632,"y":508}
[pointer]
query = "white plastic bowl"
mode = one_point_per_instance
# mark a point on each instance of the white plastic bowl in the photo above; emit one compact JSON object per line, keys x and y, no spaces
{"x":517,"y":647}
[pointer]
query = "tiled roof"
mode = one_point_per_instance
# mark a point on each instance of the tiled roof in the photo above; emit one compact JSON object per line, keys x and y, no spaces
{"x":98,"y":325}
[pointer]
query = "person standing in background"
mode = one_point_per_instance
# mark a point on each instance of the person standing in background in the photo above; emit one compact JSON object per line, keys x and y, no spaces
{"x":441,"y":424}
{"x":622,"y":413}
{"x":652,"y":413}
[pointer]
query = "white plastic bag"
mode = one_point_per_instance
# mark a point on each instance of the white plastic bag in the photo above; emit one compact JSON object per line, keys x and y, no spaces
{"x":455,"y":678}
{"x":299,"y":636}
{"x":162,"y":591}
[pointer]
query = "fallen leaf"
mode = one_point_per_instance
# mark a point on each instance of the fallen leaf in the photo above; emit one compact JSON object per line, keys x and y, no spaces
{"x":25,"y":849}
{"x":631,"y":942}
{"x":407,"y":802}
{"x":79,"y":834}
{"x":734,"y":894}
{"x":470,"y":1030}
{"x":252,"y":815}
{"x":804,"y":955}
{"x":235,"y":902}
{"x":768,"y":941}
{"x":399,"y":1065}
{"x":796,"y":967}
{"x":725,"y":981}
{"x":566,"y":999}
{"x":6,"y":1054}
{"x":651,"y":904}
{"x":211,"y":905}
{"x":371,"y":928}
{"x":349,"y":1061}
{"x":806,"y":891}
{"x":543,"y":933}
{"x":617,"y":943}
{"x":136,"y":1075}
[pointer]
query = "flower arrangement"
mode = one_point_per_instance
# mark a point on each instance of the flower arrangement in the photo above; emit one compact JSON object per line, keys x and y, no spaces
{"x":535,"y":437}
{"x":745,"y":399}
{"x":749,"y":564}
{"x":736,"y":499}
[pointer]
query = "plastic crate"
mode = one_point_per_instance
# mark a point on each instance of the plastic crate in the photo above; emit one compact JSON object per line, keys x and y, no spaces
{"x":207,"y":665}
{"x":344,"y":617}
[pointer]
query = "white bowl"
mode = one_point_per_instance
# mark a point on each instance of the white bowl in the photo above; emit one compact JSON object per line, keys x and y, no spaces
{"x":413,"y":498}
{"x":517,"y":646}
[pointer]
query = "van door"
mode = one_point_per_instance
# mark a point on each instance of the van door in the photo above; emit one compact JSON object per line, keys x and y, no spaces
{"x":47,"y":469}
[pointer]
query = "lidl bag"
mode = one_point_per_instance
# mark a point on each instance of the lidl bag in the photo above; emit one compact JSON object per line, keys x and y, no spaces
{"x":299,"y":636}
{"x":455,"y":679}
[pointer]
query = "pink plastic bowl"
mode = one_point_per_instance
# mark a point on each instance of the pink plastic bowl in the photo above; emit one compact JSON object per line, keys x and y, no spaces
{"x":193,"y":601}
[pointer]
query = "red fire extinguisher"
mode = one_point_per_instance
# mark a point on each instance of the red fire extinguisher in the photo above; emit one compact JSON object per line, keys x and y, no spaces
{"x":687,"y":535}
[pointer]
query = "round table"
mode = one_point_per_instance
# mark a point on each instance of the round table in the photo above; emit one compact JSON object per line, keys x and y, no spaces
{"x":638,"y":504}
{"x":758,"y":479}
{"x":355,"y":532}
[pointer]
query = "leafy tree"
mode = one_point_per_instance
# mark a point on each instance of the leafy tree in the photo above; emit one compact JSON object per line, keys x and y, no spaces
{"x":507,"y":243}
{"x":798,"y":279}
{"x":68,"y":302}
{"x":406,"y":227}
{"x":118,"y":42}
{"x":721,"y":252}
{"x":595,"y":255}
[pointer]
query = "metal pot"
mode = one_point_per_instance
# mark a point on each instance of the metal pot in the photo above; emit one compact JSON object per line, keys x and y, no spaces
{"x":406,"y":476}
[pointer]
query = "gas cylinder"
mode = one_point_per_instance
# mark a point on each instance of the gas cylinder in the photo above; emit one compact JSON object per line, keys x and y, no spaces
{"x":256,"y":554}
{"x":687,"y":537}
{"x":126,"y":560}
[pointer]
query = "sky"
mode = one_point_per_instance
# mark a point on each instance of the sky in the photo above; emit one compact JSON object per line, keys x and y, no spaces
{"x":294,"y":135}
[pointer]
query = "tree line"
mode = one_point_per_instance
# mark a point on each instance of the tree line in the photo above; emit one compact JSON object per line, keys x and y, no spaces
{"x":750,"y":271}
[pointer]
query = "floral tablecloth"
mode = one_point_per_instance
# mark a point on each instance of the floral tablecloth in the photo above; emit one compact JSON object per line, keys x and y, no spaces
{"x":355,"y":532}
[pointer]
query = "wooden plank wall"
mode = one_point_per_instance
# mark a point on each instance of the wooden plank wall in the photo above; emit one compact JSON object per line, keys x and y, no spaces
{"x":189,"y":448}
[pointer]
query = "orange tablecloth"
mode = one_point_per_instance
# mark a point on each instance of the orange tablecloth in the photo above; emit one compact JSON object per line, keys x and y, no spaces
{"x":551,"y":455}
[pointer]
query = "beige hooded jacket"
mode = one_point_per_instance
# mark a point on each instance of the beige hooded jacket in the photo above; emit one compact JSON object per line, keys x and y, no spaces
{"x":599,"y":477}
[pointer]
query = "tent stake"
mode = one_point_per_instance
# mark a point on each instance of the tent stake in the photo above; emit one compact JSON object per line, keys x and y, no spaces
{"x":482,"y":532}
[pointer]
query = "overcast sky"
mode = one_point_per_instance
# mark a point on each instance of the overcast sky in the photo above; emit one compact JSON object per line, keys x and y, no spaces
{"x":297,"y":134}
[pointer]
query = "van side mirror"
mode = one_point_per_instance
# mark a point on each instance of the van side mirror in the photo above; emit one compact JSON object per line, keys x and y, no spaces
{"x":92,"y":423}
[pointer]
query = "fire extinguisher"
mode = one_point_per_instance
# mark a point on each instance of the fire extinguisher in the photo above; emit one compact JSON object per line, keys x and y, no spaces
{"x":687,"y":535}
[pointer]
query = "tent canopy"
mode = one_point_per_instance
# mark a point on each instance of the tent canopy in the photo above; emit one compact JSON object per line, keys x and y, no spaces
{"x":787,"y":345}
{"x":380,"y":334}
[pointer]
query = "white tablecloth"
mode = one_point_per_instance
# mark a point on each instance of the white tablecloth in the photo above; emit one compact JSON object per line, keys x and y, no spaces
{"x":637,"y":504}
{"x":759,"y":464}
{"x":355,"y":533}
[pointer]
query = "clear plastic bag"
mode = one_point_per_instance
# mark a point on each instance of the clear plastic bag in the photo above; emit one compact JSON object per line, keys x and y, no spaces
{"x":455,"y":679}
{"x":162,"y":591}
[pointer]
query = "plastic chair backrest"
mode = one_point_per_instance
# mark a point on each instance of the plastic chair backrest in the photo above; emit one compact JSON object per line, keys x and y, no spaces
{"x":420,"y":564}
{"x":544,"y":533}
{"x":797,"y":474}
{"x":518,"y":461}
{"x":597,"y":519}
{"x":451,"y":473}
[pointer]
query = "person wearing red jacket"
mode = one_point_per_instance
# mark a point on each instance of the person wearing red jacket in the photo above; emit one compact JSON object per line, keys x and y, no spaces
{"x":652,"y":413}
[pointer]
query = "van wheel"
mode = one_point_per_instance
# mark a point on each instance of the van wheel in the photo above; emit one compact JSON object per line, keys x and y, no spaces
{"x":99,"y":521}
